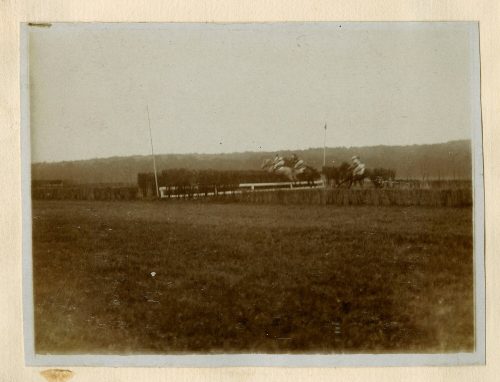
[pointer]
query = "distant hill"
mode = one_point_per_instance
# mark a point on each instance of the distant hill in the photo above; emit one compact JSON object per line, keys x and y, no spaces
{"x":451,"y":160}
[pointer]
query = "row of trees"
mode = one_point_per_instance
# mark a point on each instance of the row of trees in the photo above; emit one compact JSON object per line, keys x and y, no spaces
{"x":182,"y":178}
{"x":382,"y":173}
{"x":339,"y":175}
{"x":443,"y":161}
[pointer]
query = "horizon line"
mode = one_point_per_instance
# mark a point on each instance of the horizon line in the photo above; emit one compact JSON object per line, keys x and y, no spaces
{"x":247,"y":151}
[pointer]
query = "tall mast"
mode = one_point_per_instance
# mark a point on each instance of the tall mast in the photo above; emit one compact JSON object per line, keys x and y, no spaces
{"x":324,"y":148}
{"x":153,"y":153}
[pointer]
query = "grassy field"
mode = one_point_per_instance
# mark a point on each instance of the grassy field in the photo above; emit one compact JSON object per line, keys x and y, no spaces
{"x":251,"y":278}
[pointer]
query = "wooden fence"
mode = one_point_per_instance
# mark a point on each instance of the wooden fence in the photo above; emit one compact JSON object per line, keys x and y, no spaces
{"x":456,"y":197}
{"x":85,"y":193}
{"x":344,"y":197}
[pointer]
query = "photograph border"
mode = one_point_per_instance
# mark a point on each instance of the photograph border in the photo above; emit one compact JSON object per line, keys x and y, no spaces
{"x":274,"y":360}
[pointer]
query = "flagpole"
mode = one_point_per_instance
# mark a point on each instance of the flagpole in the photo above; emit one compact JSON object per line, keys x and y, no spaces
{"x":324,"y":149}
{"x":152,"y":153}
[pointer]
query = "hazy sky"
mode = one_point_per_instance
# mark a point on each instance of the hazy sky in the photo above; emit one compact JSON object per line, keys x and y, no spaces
{"x":226,"y":88}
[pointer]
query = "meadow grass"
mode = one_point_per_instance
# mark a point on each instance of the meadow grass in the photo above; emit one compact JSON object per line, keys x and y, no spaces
{"x":250,"y":278}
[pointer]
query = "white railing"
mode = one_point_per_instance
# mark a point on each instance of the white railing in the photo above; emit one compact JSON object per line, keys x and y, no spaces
{"x":254,"y":186}
{"x":244,"y":187}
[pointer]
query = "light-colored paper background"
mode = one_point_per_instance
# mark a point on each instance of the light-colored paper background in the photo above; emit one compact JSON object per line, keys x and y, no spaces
{"x":12,"y":13}
{"x":30,"y":127}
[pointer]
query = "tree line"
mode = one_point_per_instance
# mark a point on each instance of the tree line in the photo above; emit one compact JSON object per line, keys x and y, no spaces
{"x":205,"y":180}
{"x":183,"y":177}
{"x":445,"y":161}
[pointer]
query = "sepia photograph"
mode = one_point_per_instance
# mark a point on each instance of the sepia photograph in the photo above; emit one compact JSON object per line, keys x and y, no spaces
{"x":209,"y":194}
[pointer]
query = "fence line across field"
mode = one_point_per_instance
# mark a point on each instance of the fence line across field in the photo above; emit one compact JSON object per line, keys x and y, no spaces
{"x":400,"y":192}
{"x":254,"y":186}
{"x":242,"y":187}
